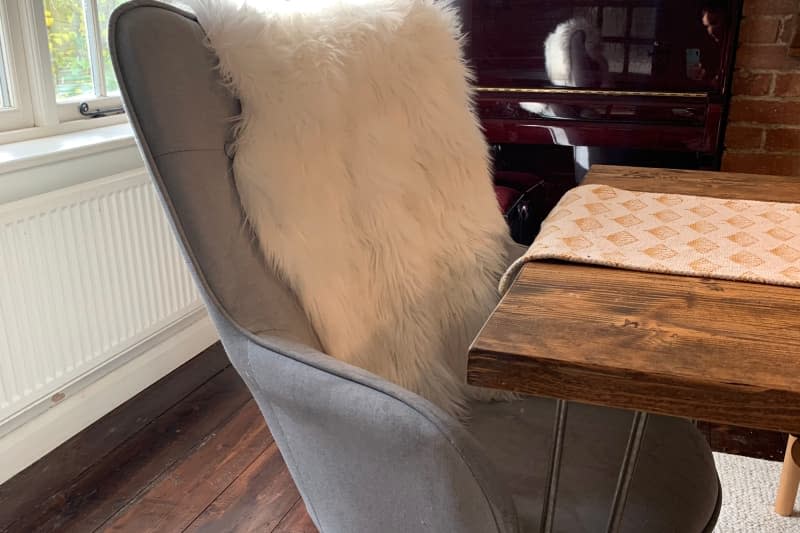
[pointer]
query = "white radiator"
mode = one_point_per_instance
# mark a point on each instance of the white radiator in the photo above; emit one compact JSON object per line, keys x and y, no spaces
{"x":87,"y":274}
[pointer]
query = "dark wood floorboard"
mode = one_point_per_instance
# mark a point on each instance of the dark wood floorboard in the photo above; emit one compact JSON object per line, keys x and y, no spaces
{"x":257,"y":501}
{"x":296,"y":521}
{"x":111,"y":484}
{"x":179,"y":495}
{"x":193,"y":453}
{"x":49,"y":476}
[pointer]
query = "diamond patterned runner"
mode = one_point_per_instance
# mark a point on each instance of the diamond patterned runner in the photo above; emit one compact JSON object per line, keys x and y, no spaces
{"x":743,"y":240}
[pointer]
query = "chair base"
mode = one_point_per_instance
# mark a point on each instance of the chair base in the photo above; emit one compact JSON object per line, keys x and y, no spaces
{"x":674,"y":487}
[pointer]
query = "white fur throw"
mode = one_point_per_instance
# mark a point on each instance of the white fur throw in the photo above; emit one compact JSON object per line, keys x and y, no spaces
{"x":365,"y":176}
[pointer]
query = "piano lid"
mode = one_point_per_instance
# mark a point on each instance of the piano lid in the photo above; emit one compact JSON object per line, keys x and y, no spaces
{"x":671,"y":46}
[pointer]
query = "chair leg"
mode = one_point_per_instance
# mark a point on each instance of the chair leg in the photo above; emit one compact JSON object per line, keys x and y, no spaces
{"x":790,"y":479}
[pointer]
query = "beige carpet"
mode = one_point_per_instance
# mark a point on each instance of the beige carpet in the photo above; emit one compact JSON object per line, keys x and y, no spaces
{"x":748,"y":494}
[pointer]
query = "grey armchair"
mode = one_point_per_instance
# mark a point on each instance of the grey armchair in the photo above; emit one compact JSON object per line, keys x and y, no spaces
{"x":368,"y":456}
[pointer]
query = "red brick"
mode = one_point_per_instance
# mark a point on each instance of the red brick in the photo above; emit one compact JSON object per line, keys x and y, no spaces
{"x":745,"y":137}
{"x":765,"y":111}
{"x":770,"y":7}
{"x":748,"y":84}
{"x":760,"y":30}
{"x":783,"y":139}
{"x":765,"y":56}
{"x":787,"y":84}
{"x":774,"y":164}
{"x":787,"y":30}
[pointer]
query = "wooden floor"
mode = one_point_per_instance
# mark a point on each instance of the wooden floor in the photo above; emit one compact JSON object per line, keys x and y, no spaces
{"x":205,"y":463}
{"x":192,"y":453}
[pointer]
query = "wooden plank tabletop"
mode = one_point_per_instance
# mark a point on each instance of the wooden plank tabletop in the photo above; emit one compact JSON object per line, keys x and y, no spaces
{"x":716,"y":350}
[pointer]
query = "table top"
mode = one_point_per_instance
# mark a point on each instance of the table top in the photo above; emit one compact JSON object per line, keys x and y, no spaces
{"x":716,"y":350}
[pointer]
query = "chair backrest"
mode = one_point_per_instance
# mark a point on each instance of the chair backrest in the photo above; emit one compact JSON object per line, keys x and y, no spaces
{"x":366,"y":455}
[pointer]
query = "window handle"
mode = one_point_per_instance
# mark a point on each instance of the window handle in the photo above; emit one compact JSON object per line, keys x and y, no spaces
{"x":97,"y":112}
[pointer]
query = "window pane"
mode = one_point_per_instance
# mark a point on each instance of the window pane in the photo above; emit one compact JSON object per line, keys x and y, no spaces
{"x":104,"y":9}
{"x":641,"y":59}
{"x":644,"y":22}
{"x":5,"y":82}
{"x":615,"y":55}
{"x":614,"y":21}
{"x":69,"y":47}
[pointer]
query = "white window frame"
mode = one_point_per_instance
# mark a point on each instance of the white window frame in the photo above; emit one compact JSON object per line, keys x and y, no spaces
{"x":21,"y":115}
{"x":37,"y":112}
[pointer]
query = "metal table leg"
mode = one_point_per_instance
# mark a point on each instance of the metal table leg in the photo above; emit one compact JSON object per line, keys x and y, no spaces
{"x":551,"y":487}
{"x":626,"y":471}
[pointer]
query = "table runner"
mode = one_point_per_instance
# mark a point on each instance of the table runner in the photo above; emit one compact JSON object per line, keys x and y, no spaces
{"x":744,"y":240}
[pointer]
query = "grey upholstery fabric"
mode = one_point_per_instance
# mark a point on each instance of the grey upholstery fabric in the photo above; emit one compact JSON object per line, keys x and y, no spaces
{"x":366,"y":455}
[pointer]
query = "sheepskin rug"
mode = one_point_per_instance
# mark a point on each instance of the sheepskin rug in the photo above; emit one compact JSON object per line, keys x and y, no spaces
{"x":366,"y":178}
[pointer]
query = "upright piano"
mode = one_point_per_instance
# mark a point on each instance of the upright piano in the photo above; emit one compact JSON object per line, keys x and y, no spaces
{"x":563,"y":84}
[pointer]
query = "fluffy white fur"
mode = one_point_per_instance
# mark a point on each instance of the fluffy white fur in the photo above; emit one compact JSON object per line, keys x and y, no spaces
{"x":366,"y":178}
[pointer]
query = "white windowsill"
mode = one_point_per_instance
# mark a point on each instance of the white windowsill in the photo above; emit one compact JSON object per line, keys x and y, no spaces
{"x":46,"y":150}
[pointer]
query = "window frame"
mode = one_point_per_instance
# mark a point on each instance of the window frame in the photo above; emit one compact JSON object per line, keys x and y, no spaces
{"x":627,"y":40}
{"x":15,"y":60}
{"x":38,"y":112}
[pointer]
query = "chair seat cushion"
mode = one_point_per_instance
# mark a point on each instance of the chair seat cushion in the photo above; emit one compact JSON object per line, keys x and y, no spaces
{"x":675,"y":486}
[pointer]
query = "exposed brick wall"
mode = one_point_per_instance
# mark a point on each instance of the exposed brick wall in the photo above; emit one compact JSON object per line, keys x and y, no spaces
{"x":763,"y":132}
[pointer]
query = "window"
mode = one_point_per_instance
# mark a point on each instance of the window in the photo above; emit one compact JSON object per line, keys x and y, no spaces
{"x":5,"y":89}
{"x":628,"y":34}
{"x":54,"y":56}
{"x":78,"y":46}
{"x":15,"y":106}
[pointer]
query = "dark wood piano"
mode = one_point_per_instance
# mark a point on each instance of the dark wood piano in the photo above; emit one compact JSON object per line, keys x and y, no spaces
{"x":563,"y":84}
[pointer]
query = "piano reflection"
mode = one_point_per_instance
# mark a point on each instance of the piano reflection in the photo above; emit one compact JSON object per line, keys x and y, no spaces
{"x":566,"y":84}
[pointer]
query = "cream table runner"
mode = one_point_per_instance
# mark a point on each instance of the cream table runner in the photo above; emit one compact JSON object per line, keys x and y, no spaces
{"x":743,"y":240}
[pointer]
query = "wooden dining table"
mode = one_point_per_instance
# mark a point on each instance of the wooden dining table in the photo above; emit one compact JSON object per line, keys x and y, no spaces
{"x":705,"y":349}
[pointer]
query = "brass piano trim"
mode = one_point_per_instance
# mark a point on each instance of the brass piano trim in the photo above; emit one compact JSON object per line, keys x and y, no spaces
{"x":594,"y":92}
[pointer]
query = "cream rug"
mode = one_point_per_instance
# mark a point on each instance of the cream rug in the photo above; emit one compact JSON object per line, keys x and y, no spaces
{"x":748,"y":495}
